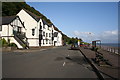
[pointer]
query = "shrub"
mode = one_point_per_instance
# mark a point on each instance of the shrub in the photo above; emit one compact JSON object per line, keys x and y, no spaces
{"x":13,"y":45}
{"x":4,"y":42}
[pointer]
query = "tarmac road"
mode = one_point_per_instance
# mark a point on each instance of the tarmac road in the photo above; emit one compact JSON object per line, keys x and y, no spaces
{"x":57,"y":62}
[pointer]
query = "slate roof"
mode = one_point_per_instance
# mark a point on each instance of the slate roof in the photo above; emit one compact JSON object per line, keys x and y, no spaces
{"x":37,"y":18}
{"x":6,"y":20}
{"x":44,"y":22}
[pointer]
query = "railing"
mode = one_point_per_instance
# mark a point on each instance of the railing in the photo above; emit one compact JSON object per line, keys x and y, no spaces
{"x":21,"y":38}
{"x":110,"y":49}
{"x":20,"y":34}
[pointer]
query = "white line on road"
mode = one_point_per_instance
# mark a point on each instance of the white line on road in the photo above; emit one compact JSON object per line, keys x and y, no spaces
{"x":64,"y":64}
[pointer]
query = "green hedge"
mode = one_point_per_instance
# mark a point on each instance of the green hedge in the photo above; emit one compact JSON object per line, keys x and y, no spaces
{"x":13,"y":45}
{"x":4,"y":43}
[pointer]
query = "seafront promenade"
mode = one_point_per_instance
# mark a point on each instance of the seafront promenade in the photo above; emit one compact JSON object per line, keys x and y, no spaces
{"x":106,"y":70}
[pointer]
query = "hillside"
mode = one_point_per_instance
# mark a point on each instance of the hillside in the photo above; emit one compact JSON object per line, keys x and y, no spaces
{"x":12,"y":8}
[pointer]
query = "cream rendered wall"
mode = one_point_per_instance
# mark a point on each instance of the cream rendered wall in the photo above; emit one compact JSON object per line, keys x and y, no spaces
{"x":4,"y":31}
{"x":59,"y":41}
{"x":30,"y":24}
{"x":7,"y":30}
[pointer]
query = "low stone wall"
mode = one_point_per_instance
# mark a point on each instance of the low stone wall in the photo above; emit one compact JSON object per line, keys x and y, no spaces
{"x":111,"y":49}
{"x":8,"y":48}
{"x":41,"y":47}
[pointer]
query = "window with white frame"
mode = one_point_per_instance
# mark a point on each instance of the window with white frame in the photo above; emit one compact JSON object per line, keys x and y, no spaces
{"x":43,"y":33}
{"x":33,"y":32}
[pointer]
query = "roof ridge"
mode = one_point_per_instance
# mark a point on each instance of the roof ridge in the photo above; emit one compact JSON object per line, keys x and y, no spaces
{"x":32,"y":14}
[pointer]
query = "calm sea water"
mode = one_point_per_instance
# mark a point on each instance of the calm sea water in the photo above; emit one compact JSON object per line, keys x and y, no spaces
{"x":110,"y":44}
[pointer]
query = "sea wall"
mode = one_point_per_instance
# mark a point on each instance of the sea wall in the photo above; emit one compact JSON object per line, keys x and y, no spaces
{"x":111,"y":49}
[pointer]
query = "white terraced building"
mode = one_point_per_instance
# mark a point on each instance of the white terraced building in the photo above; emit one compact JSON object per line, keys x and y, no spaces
{"x":13,"y":30}
{"x":36,"y":31}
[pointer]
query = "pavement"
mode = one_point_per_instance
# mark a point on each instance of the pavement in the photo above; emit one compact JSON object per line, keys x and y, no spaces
{"x":59,"y":62}
{"x":111,"y":72}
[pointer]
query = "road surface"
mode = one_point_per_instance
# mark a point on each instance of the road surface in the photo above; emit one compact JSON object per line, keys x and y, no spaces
{"x":59,"y":62}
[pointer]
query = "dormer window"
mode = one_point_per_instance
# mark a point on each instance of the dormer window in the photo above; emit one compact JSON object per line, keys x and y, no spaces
{"x":33,"y":32}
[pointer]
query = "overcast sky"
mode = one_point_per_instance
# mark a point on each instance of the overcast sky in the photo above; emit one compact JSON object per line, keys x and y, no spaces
{"x":86,"y":20}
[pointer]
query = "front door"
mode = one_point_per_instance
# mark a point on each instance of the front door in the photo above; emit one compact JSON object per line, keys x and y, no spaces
{"x":54,"y":43}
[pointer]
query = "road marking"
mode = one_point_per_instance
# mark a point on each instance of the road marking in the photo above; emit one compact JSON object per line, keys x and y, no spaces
{"x":64,"y":64}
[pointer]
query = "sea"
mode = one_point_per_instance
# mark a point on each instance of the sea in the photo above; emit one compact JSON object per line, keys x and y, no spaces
{"x":110,"y":44}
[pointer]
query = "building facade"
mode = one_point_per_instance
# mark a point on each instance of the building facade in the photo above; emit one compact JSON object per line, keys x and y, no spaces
{"x":14,"y":31}
{"x":37,"y":32}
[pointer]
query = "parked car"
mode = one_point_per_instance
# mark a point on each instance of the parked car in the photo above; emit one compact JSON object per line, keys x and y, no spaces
{"x":74,"y":46}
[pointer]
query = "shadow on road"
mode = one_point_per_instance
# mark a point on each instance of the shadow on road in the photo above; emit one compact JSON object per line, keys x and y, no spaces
{"x":77,"y":59}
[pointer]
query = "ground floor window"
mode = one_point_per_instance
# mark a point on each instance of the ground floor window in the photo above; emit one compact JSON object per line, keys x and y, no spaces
{"x":33,"y":32}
